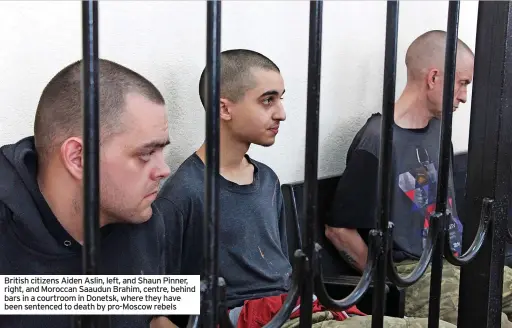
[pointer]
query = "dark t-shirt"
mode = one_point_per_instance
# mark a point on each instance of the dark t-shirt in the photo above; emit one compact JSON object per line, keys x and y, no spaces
{"x":414,"y":171}
{"x":253,"y":256}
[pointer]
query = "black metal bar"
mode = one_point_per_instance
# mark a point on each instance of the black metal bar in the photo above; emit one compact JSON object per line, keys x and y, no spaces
{"x":499,"y":225}
{"x":210,"y":300}
{"x":311,"y":160}
{"x":374,"y":252}
{"x":385,"y":161}
{"x":475,"y":247}
{"x":91,"y":137}
{"x":224,"y":320}
{"x":194,"y":320}
{"x":426,"y":257}
{"x":489,"y":163}
{"x":445,"y":153}
{"x":90,"y":78}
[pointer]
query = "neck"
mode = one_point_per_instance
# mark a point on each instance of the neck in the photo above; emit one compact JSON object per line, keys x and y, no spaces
{"x":232,"y":153}
{"x":64,"y":199}
{"x":411,"y":109}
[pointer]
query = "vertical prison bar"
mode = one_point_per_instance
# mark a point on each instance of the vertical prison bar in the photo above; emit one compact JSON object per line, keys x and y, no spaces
{"x":210,"y":299}
{"x":90,"y":99}
{"x":489,"y":164}
{"x":445,"y":152}
{"x":311,"y":158}
{"x":385,"y":160}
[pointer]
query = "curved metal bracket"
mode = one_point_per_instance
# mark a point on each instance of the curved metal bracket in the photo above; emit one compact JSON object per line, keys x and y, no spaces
{"x":291,"y":299}
{"x":426,"y":255}
{"x":193,"y":322}
{"x":486,"y":214}
{"x":374,"y":252}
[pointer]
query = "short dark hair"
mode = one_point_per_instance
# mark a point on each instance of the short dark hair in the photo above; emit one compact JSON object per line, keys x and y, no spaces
{"x":235,"y":73}
{"x":59,"y":112}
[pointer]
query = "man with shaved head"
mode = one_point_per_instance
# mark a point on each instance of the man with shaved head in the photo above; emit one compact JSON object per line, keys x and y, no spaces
{"x":253,"y":251}
{"x":41,"y":183}
{"x":252,"y":227}
{"x":416,"y":132}
{"x":425,"y":75}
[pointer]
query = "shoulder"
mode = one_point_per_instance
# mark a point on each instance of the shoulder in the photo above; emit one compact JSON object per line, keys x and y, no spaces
{"x":264,"y":170}
{"x":182,"y":194}
{"x":434,"y":127}
{"x":269,"y":182}
{"x":268,"y":178}
{"x":185,"y":184}
{"x":371,"y":130}
{"x":368,"y":136}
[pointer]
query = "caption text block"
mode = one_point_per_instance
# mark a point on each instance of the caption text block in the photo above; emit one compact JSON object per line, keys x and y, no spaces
{"x":100,"y":294}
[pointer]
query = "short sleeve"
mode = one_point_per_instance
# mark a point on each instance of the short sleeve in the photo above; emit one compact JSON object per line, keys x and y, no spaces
{"x":354,"y":203}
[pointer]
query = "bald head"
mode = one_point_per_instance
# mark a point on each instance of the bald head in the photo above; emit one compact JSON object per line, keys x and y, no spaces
{"x":428,"y":51}
{"x":59,"y":112}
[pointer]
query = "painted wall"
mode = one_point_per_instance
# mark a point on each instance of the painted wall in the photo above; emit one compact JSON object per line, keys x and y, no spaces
{"x":165,"y":41}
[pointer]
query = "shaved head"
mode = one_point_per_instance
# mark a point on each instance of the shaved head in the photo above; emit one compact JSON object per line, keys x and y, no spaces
{"x":425,"y":61}
{"x":427,"y":52}
{"x":236,"y":69}
{"x":59,"y":112}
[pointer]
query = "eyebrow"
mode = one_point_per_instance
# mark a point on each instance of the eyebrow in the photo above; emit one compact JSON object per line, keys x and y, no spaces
{"x":271,"y":93}
{"x":155,"y":144}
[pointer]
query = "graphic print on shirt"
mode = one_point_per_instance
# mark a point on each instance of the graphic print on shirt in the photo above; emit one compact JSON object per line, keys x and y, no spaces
{"x":420,"y":186}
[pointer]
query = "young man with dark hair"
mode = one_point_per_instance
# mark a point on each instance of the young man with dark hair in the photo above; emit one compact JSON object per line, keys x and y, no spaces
{"x":415,"y":163}
{"x":253,"y":251}
{"x":253,"y":256}
{"x":41,"y":181}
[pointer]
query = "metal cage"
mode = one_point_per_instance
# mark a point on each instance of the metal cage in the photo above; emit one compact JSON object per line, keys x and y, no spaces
{"x":488,"y":180}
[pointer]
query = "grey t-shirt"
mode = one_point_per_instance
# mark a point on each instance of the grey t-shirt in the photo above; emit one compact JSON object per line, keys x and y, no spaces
{"x":415,"y":169}
{"x":253,"y":256}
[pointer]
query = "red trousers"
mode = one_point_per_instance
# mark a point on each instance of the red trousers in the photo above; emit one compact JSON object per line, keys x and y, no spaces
{"x":258,"y":312}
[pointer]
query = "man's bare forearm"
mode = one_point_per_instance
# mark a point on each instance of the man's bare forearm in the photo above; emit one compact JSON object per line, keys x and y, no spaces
{"x":357,"y":262}
{"x":350,"y":245}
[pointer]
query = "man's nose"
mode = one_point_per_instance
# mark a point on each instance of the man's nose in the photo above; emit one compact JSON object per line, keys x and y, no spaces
{"x":162,"y":170}
{"x":462,"y":96}
{"x":280,"y":114}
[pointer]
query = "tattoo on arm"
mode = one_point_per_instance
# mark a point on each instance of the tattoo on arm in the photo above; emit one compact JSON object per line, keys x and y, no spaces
{"x":349,"y":259}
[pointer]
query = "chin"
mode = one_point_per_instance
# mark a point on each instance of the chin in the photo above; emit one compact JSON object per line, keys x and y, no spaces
{"x":266,"y":143}
{"x":140,"y":217}
{"x":146,"y":215}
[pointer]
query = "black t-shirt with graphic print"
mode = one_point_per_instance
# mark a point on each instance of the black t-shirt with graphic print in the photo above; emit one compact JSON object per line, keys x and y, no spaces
{"x":415,"y":169}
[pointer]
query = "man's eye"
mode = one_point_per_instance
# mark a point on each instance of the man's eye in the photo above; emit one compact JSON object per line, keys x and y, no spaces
{"x":146,"y":156}
{"x":267,"y":101}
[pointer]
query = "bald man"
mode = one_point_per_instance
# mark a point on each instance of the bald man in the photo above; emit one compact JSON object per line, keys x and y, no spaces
{"x":416,"y":131}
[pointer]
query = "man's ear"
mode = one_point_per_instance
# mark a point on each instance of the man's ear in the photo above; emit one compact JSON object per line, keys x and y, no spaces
{"x":225,"y":109}
{"x":72,"y":156}
{"x":432,"y":78}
